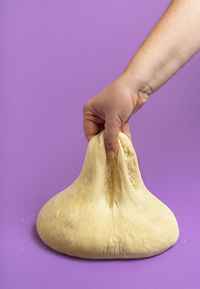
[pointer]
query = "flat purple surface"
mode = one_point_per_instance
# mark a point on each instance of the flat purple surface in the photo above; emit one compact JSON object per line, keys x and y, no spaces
{"x":56,"y":55}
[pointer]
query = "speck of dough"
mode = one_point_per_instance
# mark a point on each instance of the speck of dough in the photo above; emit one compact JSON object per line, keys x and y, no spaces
{"x":107,"y":212}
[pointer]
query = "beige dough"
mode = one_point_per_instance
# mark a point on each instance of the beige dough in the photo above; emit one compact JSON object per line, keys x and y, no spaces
{"x":107,"y":212}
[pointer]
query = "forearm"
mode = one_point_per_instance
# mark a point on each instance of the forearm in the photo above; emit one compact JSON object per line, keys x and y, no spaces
{"x":172,"y":42}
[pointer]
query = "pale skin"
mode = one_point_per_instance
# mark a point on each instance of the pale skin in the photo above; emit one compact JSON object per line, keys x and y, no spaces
{"x":170,"y":45}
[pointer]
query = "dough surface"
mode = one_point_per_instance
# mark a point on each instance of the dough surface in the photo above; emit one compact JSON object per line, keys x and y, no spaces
{"x":107,"y":212}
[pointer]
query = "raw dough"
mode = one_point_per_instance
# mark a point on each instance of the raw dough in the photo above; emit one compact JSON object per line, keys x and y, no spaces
{"x":108,"y":212}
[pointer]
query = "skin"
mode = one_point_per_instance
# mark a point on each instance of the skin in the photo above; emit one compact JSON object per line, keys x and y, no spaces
{"x":170,"y":45}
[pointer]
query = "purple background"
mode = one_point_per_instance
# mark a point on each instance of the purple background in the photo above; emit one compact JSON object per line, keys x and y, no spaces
{"x":56,"y":55}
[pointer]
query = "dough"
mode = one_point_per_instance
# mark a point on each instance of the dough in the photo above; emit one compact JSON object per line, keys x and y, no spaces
{"x":107,"y":212}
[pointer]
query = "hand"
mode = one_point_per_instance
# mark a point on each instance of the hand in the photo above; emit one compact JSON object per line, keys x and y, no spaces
{"x":111,"y":109}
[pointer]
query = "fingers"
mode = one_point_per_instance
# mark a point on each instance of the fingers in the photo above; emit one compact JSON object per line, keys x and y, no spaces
{"x":90,"y":128}
{"x":126,"y":130}
{"x":92,"y":124}
{"x":111,"y":133}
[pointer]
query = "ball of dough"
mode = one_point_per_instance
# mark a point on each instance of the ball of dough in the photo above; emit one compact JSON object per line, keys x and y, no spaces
{"x":107,"y":212}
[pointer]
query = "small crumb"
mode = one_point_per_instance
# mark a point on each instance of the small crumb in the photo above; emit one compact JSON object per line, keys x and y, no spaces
{"x":21,"y":248}
{"x":23,"y":220}
{"x":184,"y":241}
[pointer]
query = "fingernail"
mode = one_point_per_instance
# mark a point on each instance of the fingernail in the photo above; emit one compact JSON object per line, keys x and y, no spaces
{"x":110,"y":155}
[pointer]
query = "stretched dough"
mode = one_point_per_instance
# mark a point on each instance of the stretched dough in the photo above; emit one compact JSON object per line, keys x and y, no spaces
{"x":107,"y":212}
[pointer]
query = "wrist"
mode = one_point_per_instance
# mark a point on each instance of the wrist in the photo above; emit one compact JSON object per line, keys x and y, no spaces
{"x":135,"y":84}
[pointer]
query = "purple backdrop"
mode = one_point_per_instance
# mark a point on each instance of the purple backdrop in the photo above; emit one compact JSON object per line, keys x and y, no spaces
{"x":56,"y":55}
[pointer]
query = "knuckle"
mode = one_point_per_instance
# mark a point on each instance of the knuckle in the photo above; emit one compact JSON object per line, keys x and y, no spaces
{"x":110,"y":148}
{"x":110,"y":142}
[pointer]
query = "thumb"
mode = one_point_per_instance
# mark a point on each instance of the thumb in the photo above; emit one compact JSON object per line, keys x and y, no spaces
{"x":111,"y":133}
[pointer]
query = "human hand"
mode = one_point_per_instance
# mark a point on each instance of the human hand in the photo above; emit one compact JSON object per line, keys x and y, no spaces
{"x":111,"y":109}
